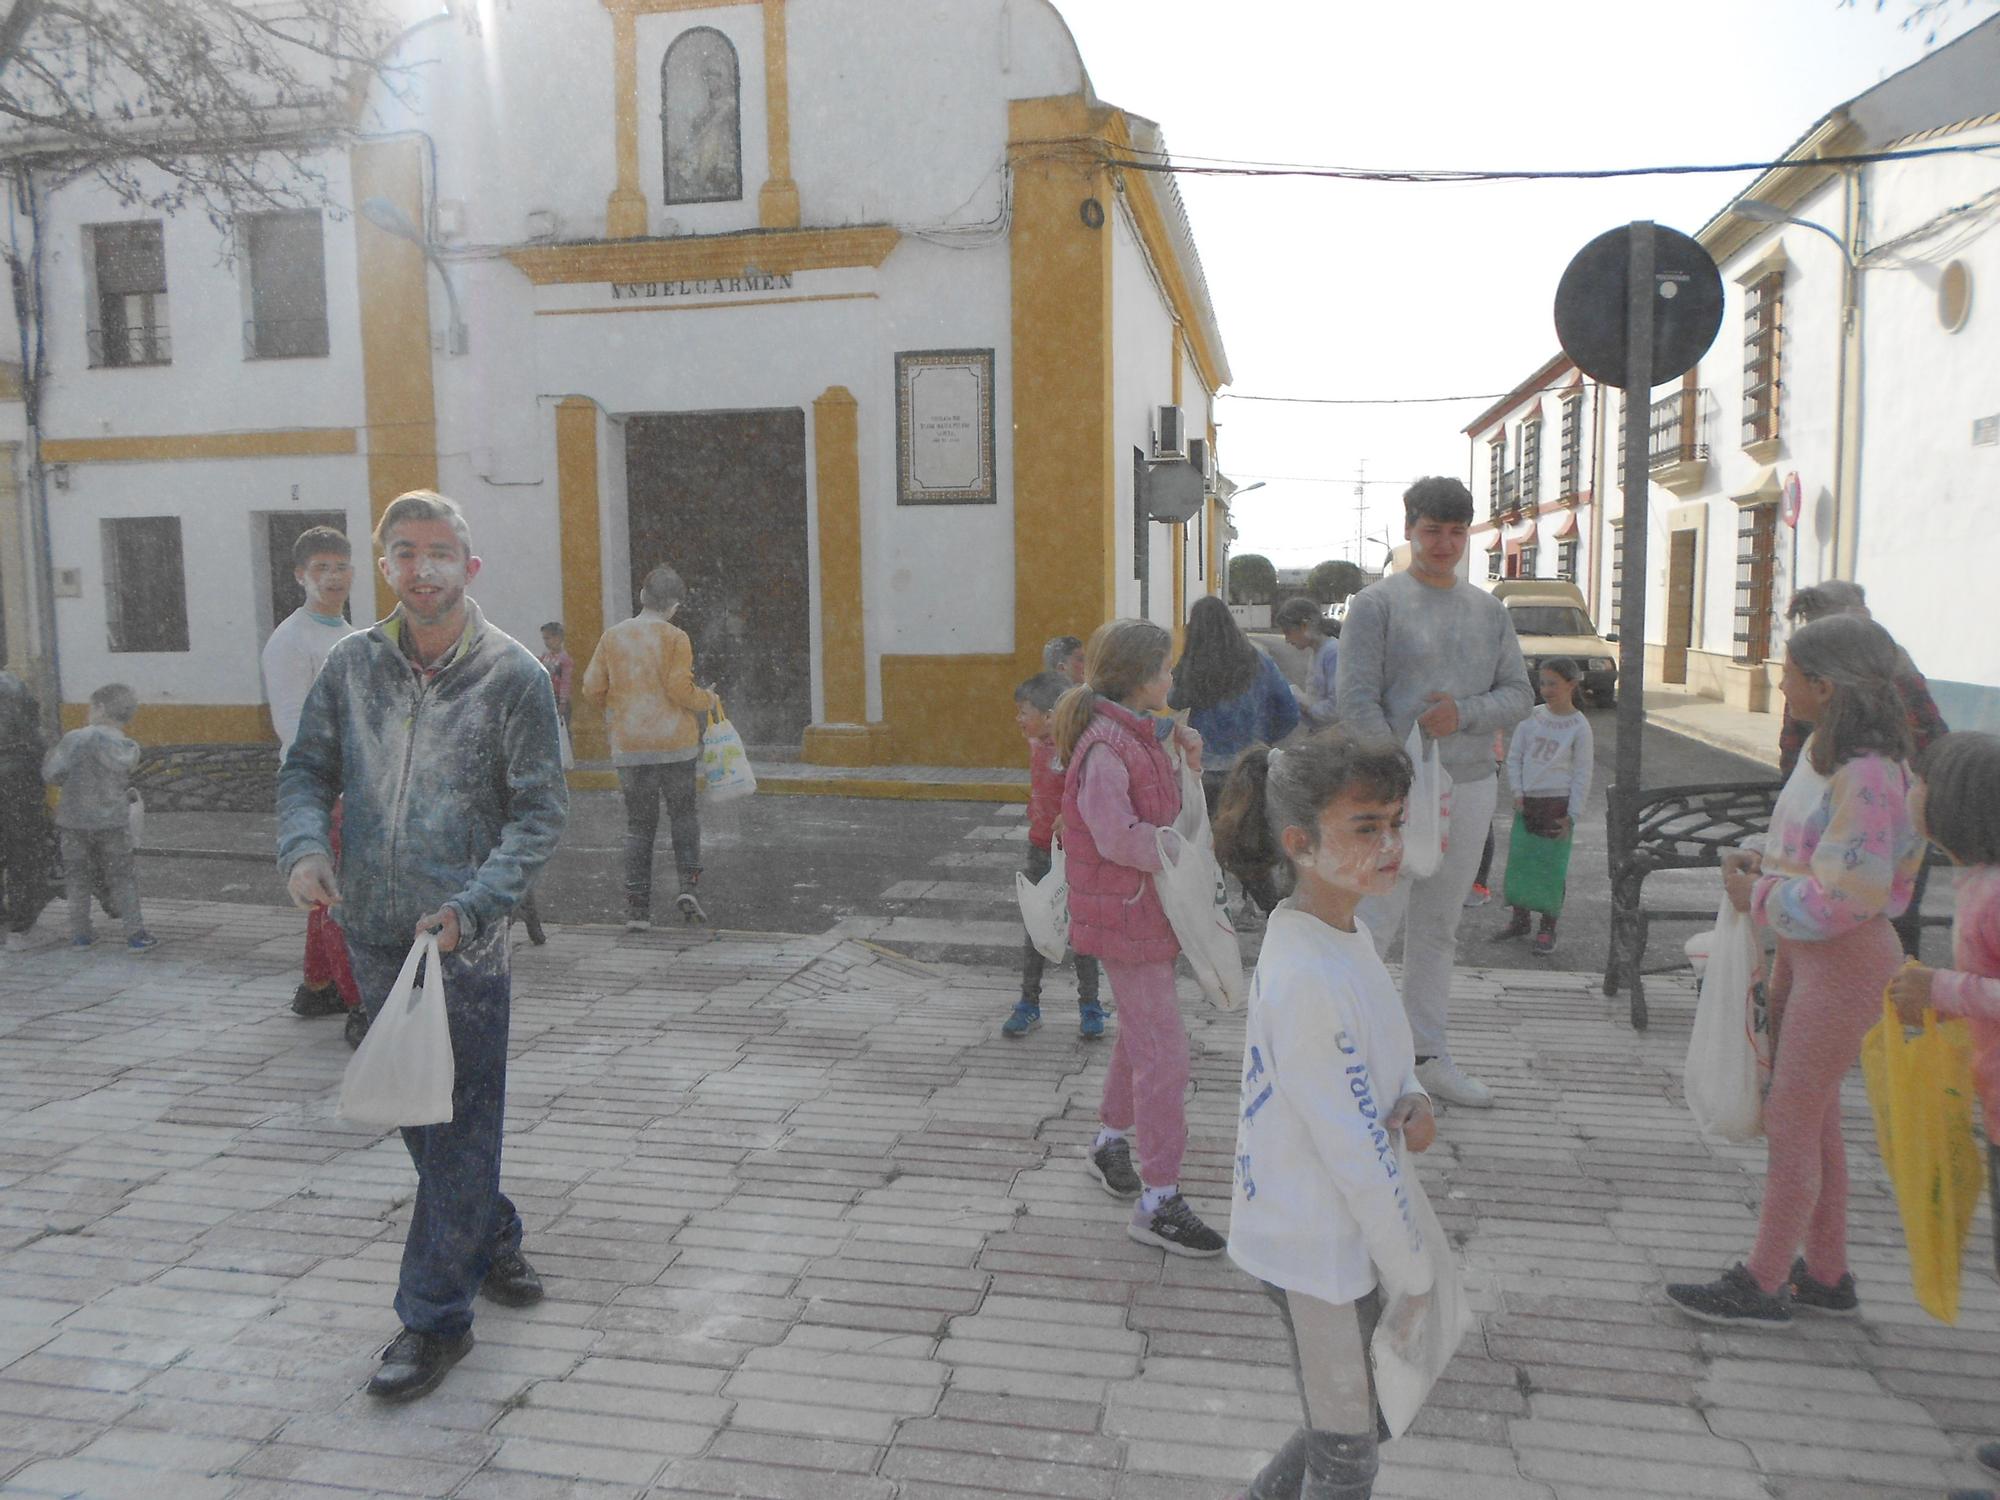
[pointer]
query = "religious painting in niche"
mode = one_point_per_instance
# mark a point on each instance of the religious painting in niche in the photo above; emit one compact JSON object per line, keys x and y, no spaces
{"x":944,"y":427}
{"x":701,"y":118}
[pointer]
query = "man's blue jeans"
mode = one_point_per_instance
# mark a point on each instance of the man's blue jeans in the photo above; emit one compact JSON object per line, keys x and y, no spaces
{"x":462,"y":1219}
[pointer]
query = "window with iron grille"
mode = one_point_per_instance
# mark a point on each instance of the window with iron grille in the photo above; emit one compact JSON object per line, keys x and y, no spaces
{"x":1496,"y":465}
{"x":1493,"y":561}
{"x":284,"y":256}
{"x":1756,"y":574}
{"x":145,"y":585}
{"x":1531,"y":461}
{"x":1570,"y":471}
{"x":1566,"y":561}
{"x":128,"y":266}
{"x":1763,"y":348}
{"x":1529,"y":556}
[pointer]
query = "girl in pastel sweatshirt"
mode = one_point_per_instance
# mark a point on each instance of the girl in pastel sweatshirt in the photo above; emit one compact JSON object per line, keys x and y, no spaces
{"x":1840,"y":860}
{"x":1121,"y":788}
{"x":1322,"y":1213}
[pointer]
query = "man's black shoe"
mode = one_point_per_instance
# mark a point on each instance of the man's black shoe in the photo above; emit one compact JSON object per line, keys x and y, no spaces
{"x":357,"y":1026}
{"x":311,"y":1003}
{"x":414,"y":1364}
{"x":511,"y":1281}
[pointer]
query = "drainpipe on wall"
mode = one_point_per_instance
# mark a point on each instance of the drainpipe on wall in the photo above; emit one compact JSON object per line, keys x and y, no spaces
{"x":1847,"y":487}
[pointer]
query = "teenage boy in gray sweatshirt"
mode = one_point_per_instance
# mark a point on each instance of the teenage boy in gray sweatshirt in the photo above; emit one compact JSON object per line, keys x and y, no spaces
{"x":1427,"y":648}
{"x":93,"y":766}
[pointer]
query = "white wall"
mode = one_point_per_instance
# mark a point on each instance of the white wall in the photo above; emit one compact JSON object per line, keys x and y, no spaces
{"x":1142,"y":377}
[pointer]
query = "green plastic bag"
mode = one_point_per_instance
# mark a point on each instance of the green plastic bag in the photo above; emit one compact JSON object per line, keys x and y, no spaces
{"x":1537,"y":870}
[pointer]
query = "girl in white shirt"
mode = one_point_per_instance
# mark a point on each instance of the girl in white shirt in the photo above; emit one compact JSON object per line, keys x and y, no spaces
{"x":1322,"y":1214}
{"x":1549,"y":762}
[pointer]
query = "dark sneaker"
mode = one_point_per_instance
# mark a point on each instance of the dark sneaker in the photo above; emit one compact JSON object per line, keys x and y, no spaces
{"x":511,"y":1281}
{"x":414,"y":1363}
{"x":1545,"y":943}
{"x":1838,"y":1300}
{"x":1111,"y":1165}
{"x":310,"y":1003}
{"x":1518,"y":926}
{"x":1733,"y":1299}
{"x":1973,"y":1495}
{"x":142,"y":942}
{"x":1176,"y":1229}
{"x":1025,"y":1019}
{"x":82,"y":940}
{"x":1089,"y":1020}
{"x":690,"y":908}
{"x":357,"y":1026}
{"x":1988,"y":1455}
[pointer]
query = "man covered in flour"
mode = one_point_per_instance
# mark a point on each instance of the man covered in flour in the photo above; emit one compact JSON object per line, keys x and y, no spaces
{"x":1427,"y":648}
{"x":439,"y":732}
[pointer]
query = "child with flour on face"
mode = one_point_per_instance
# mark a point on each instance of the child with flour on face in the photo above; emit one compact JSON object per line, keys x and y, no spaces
{"x":1322,"y":1215}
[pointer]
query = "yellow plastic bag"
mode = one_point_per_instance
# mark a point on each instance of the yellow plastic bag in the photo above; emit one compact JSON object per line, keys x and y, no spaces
{"x":1921,"y":1090}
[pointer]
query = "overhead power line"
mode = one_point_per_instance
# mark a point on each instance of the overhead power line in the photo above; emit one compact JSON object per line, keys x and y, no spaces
{"x":1196,"y":166}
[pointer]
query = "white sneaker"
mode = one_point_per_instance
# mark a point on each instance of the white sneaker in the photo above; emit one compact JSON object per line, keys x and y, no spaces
{"x":1442,"y":1079}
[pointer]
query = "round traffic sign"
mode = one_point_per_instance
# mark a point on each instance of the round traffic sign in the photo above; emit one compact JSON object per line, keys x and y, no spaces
{"x":1590,"y":305}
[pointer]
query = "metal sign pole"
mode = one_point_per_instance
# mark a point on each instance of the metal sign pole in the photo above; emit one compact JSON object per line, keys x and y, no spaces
{"x":1639,"y":298}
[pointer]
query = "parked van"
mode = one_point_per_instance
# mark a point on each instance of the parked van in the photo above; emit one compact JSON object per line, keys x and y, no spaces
{"x":1550,"y":618}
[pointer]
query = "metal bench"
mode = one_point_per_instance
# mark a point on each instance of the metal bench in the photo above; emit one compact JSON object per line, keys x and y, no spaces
{"x":1678,"y":828}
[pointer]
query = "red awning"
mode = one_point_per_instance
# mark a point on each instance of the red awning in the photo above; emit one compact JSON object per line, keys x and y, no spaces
{"x":1565,"y":528}
{"x":1492,"y":543}
{"x":1521,"y":536}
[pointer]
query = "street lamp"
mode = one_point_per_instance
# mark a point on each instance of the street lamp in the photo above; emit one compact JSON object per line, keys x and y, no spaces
{"x":1757,"y":211}
{"x":390,"y":219}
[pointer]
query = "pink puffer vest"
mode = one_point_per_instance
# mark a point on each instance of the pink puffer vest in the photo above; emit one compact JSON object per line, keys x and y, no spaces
{"x":1114,"y":911}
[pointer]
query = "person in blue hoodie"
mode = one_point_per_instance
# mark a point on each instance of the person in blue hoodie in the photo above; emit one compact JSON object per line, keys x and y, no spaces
{"x":1235,"y":697}
{"x":439,"y":730}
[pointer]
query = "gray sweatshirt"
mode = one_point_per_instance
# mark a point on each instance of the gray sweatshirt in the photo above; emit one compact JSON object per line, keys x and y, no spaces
{"x":1404,"y":640}
{"x":93,"y":766}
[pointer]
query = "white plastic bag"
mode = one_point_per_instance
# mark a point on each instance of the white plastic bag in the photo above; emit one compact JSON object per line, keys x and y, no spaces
{"x":725,"y":765}
{"x":1729,"y":1051}
{"x":135,"y":817}
{"x":1427,"y":821}
{"x":1192,"y":894}
{"x":563,"y":744}
{"x":1045,"y":906}
{"x":403,"y":1071}
{"x":1416,"y":1337}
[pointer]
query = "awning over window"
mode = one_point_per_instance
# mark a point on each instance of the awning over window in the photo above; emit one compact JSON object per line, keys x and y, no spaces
{"x":1565,"y":528}
{"x":1492,"y":542}
{"x":1521,"y":536}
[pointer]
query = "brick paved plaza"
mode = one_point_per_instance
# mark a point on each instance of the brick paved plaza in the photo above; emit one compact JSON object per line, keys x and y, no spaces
{"x":813,"y":1230}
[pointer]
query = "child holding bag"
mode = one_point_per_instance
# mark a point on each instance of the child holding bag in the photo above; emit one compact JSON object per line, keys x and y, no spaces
{"x":1840,"y":860}
{"x":1322,"y":1212}
{"x":1549,"y":762}
{"x":1120,"y":789}
{"x":1956,"y":805}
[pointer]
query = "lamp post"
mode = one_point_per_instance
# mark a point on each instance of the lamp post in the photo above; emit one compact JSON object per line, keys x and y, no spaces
{"x":390,"y":219}
{"x":1848,"y":388}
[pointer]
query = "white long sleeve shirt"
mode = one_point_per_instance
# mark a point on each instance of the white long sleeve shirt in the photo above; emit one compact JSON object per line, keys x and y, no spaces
{"x":292,"y":658}
{"x":1320,"y":1203}
{"x":1552,"y":755}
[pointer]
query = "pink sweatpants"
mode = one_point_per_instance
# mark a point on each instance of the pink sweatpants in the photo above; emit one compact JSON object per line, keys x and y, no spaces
{"x":1824,"y":998}
{"x":1147,"y":1082}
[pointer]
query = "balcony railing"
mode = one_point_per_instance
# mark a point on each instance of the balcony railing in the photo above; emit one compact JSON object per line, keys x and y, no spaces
{"x":128,"y":346}
{"x":1677,"y":431}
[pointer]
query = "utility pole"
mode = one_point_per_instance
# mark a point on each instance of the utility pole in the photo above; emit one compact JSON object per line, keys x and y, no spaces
{"x":1360,"y":511}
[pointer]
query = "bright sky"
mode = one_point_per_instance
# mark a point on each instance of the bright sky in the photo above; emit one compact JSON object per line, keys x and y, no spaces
{"x":1361,"y":289}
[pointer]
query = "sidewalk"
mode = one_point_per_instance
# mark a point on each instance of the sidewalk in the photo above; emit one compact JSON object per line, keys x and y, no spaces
{"x":1710,"y":721}
{"x":813,"y":1231}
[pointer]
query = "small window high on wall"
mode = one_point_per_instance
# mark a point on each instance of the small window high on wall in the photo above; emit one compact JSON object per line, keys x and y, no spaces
{"x":701,"y":119}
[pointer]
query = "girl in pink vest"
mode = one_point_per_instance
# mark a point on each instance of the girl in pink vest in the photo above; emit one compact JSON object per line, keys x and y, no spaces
{"x":1120,"y":790}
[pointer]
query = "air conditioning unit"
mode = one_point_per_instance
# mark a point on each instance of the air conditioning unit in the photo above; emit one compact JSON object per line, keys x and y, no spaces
{"x":1202,"y":458}
{"x":1169,"y":432}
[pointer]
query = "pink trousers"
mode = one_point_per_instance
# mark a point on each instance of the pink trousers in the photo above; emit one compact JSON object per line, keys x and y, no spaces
{"x":1824,"y":998}
{"x":1147,"y":1082}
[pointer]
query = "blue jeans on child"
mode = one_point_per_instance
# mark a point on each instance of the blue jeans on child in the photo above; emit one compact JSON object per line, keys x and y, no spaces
{"x":1032,"y":962}
{"x":462,"y":1219}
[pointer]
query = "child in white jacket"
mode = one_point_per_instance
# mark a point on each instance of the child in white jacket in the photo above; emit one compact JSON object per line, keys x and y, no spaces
{"x":1322,"y":1213}
{"x":1549,"y":764}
